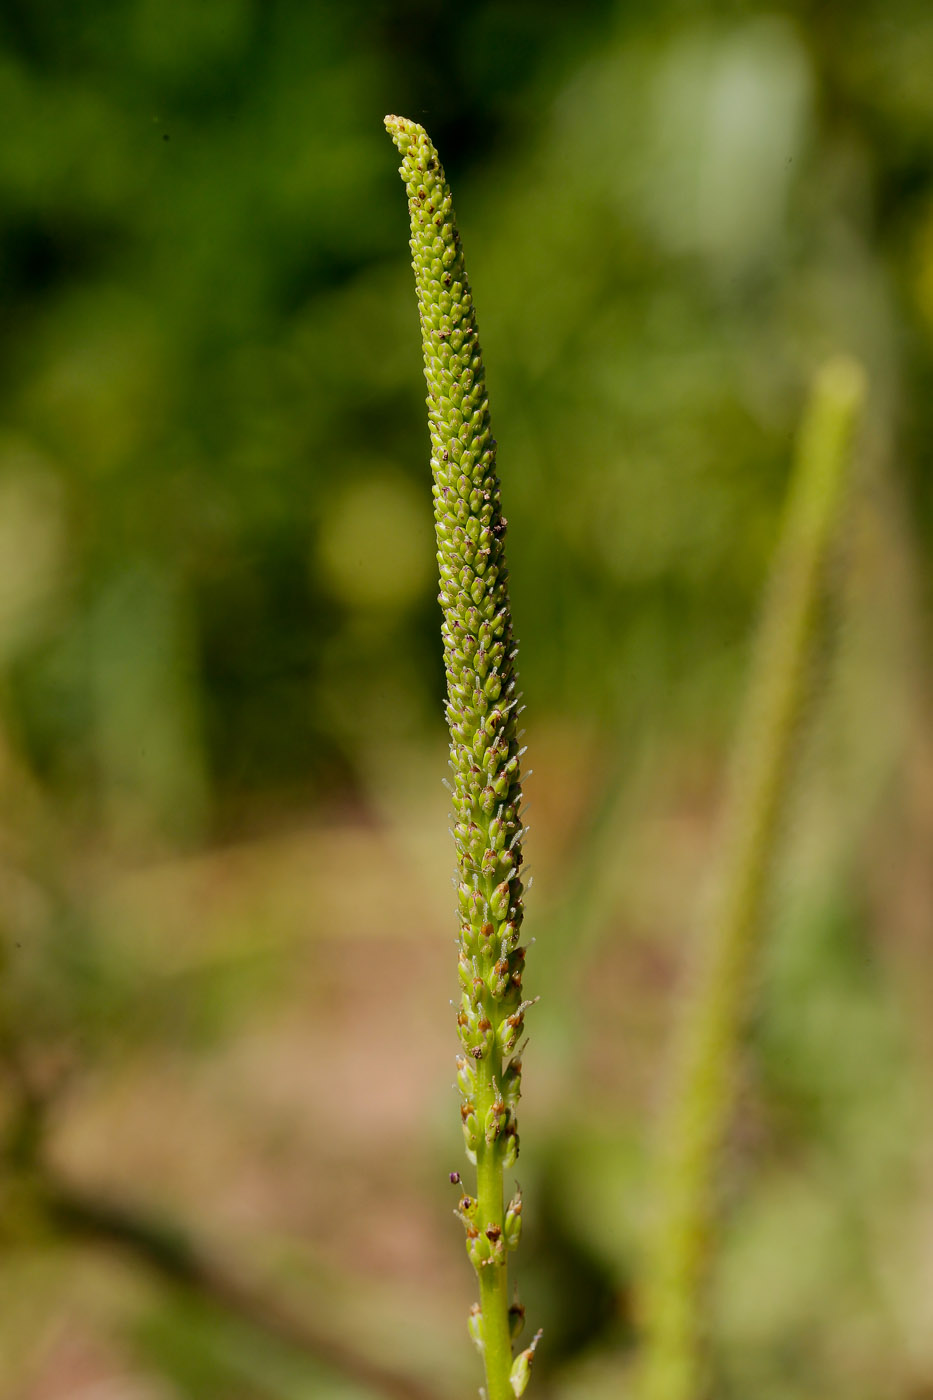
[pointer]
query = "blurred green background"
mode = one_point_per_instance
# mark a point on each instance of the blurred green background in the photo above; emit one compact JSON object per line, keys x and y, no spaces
{"x":226,"y":924}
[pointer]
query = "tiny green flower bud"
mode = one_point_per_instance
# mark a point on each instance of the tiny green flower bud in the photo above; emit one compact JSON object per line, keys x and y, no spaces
{"x":510,"y":934}
{"x":516,"y":1320}
{"x":495,"y":1117}
{"x":521,"y":1368}
{"x":466,"y":1211}
{"x":499,"y":900}
{"x":510,"y":1001}
{"x":512,"y":1225}
{"x":499,"y":978}
{"x":512,"y":1083}
{"x":478,"y":1248}
{"x":466,"y":1076}
{"x":493,"y":1234}
{"x":486,"y":1036}
{"x":471,"y":1131}
{"x":509,"y":1032}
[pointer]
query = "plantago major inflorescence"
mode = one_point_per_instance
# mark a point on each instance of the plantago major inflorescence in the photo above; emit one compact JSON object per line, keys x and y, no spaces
{"x":482,"y":704}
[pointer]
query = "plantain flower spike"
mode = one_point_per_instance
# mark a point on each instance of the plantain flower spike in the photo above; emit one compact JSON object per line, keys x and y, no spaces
{"x":479,"y":653}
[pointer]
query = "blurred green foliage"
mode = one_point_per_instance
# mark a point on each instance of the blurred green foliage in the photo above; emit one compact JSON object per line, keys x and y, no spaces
{"x":217,"y":609}
{"x":208,"y":401}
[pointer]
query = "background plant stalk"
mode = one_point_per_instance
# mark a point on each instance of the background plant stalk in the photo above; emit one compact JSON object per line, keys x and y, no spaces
{"x":704,"y":1089}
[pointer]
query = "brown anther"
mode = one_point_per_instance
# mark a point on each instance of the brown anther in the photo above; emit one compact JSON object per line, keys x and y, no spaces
{"x":466,"y":1109}
{"x":493,"y":1233}
{"x":484,"y":1025}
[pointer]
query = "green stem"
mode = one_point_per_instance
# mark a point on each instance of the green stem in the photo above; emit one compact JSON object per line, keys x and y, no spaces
{"x":493,"y":1277}
{"x":704,"y":1089}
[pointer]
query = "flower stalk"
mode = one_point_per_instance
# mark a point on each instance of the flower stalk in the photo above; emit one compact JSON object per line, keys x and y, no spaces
{"x":704,"y":1090}
{"x":482,"y":708}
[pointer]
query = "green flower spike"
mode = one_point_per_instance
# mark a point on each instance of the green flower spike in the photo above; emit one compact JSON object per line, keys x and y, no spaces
{"x":482,"y":701}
